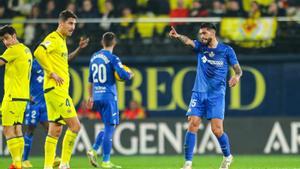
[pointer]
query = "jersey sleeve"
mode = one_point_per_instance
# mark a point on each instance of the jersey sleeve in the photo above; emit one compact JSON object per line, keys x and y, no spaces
{"x":118,"y":67}
{"x":197,"y":46}
{"x":9,"y":55}
{"x":49,"y":43}
{"x":231,"y":56}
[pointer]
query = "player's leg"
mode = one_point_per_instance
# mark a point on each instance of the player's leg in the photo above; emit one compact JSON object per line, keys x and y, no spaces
{"x":54,"y":133}
{"x":195,"y":111}
{"x":12,"y":118}
{"x":28,"y":138}
{"x":217,"y":129}
{"x":92,"y":153}
{"x":98,"y":141}
{"x":110,"y":118}
{"x":31,"y":121}
{"x":216,"y":114}
{"x":69,"y":140}
{"x":70,"y":118}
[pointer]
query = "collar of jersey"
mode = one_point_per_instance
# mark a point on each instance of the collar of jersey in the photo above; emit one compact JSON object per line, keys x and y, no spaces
{"x":60,"y":35}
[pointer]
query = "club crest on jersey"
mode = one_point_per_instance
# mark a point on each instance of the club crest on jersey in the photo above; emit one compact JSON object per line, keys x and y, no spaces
{"x":211,"y":54}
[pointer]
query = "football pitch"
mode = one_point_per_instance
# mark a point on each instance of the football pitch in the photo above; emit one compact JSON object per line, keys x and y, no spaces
{"x":175,"y":162}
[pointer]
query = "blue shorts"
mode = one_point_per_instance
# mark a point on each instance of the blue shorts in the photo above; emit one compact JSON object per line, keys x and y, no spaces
{"x":206,"y":105}
{"x":35,"y":113}
{"x":108,"y":110}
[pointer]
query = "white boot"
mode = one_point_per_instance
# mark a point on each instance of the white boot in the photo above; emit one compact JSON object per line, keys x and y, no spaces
{"x":226,"y":162}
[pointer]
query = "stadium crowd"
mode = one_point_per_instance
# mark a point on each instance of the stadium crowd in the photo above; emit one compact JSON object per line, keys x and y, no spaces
{"x":32,"y":33}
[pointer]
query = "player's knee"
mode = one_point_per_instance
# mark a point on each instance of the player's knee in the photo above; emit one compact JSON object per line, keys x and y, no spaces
{"x":75,"y":128}
{"x":9,"y":132}
{"x":218,"y":131}
{"x":55,"y":132}
{"x":193,"y":125}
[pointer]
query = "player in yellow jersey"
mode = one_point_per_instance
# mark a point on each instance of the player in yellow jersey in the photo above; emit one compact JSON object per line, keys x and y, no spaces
{"x":18,"y":60}
{"x":53,"y":56}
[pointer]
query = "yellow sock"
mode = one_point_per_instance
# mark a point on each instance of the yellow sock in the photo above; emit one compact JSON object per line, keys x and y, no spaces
{"x":67,"y":147}
{"x":14,"y":149}
{"x":21,"y":146}
{"x":50,"y":150}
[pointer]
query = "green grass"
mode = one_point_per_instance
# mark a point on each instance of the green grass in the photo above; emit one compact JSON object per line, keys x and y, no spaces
{"x":175,"y":162}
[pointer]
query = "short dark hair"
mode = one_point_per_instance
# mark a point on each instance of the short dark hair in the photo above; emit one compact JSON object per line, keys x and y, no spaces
{"x":7,"y":29}
{"x":208,"y":25}
{"x":66,"y":14}
{"x":108,"y":38}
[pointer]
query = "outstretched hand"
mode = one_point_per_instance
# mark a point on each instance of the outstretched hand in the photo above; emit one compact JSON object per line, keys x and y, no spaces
{"x":173,"y":33}
{"x":83,"y":42}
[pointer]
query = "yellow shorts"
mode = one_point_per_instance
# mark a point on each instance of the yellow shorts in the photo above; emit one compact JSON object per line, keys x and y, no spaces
{"x":59,"y":107}
{"x":13,"y":112}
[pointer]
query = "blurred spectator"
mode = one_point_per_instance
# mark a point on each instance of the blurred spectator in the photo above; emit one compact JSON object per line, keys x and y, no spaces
{"x":49,"y":13}
{"x":135,"y":111}
{"x":234,"y":9}
{"x":158,"y":7}
{"x":19,"y":6}
{"x":33,"y":30}
{"x":125,"y":29}
{"x":5,"y":12}
{"x":108,"y":14}
{"x":198,"y":10}
{"x":84,"y":112}
{"x":218,"y":9}
{"x":272,"y":10}
{"x":72,"y":7}
{"x":121,"y":4}
{"x":179,"y":12}
{"x":255,"y":11}
{"x":282,"y":7}
{"x":88,"y":11}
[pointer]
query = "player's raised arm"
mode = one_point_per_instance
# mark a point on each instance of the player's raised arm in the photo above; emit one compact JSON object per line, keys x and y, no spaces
{"x":184,"y":39}
{"x":82,"y":44}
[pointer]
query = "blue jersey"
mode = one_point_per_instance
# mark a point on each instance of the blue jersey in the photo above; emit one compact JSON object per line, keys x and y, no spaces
{"x":212,"y":68}
{"x":36,"y":82}
{"x":103,"y":64}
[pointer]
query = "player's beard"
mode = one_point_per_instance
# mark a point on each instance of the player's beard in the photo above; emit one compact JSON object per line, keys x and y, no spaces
{"x":208,"y":41}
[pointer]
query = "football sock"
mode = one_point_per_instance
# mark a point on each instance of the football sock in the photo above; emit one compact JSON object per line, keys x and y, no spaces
{"x":107,"y":141}
{"x":67,"y":147}
{"x":27,"y":147}
{"x":21,"y":145}
{"x":189,"y":144}
{"x":13,"y":145}
{"x":50,"y":149}
{"x":224,"y":144}
{"x":98,"y":141}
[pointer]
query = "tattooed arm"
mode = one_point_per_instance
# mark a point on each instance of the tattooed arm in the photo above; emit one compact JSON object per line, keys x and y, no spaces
{"x":236,"y":78}
{"x":184,"y":39}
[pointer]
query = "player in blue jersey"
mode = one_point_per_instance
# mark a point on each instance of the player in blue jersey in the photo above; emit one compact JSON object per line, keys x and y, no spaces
{"x":36,"y":111}
{"x":103,"y":96}
{"x":208,"y":97}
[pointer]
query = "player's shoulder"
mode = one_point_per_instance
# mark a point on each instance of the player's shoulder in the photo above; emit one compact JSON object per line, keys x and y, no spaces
{"x":225,"y":46}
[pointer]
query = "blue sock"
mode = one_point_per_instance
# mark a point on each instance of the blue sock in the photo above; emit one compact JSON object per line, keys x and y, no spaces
{"x":98,"y":141}
{"x":107,"y":141}
{"x":189,"y":144}
{"x":224,"y":143}
{"x":27,"y":147}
